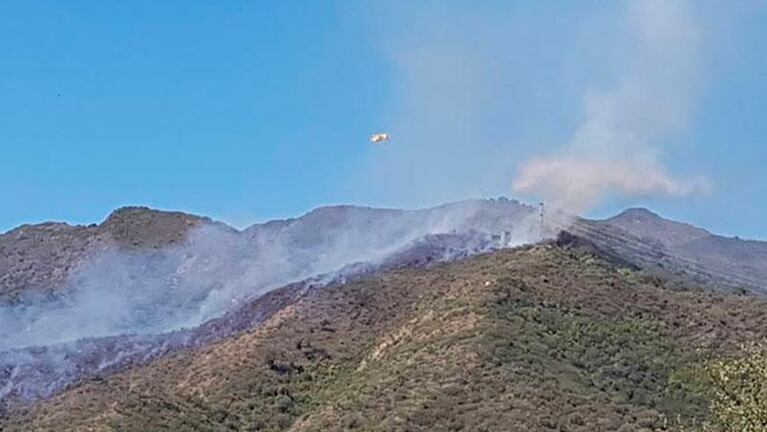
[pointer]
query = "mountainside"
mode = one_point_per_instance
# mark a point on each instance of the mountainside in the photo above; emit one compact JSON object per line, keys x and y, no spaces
{"x":549,"y":337}
{"x":82,"y":304}
{"x":35,"y":372}
{"x":134,"y":300}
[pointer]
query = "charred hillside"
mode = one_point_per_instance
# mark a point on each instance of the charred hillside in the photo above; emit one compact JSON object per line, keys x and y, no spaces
{"x":538,"y":338}
{"x":162,"y":283}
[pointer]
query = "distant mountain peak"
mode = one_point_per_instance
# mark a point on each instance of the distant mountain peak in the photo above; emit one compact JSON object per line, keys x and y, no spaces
{"x":647,"y":224}
{"x":637,"y":212}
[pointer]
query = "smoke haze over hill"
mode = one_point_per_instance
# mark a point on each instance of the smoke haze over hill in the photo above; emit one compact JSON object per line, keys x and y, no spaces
{"x":618,"y":147}
{"x":119,"y":291}
{"x":462,"y":101}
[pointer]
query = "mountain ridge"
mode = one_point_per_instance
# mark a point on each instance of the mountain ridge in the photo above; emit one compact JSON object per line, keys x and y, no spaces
{"x":54,"y":250}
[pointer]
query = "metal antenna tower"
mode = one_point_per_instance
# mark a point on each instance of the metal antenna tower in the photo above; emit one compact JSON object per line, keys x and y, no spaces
{"x":541,"y":218}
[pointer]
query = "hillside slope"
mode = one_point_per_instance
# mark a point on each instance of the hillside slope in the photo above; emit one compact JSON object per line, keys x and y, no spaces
{"x":538,"y":338}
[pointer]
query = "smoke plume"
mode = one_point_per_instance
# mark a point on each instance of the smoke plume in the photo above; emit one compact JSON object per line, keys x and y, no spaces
{"x":151,"y":292}
{"x":617,"y":149}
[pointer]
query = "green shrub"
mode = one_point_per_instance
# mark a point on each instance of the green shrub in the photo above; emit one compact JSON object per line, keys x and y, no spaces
{"x":739,"y":391}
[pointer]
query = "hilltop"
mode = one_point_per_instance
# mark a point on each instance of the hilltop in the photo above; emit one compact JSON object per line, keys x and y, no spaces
{"x":40,"y":258}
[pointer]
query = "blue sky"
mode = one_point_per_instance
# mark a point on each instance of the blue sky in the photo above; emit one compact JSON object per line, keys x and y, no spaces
{"x":247,"y":111}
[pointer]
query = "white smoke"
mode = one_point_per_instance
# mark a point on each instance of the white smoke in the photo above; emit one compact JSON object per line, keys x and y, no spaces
{"x":579,"y":184}
{"x":118,"y":292}
{"x":618,"y":147}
